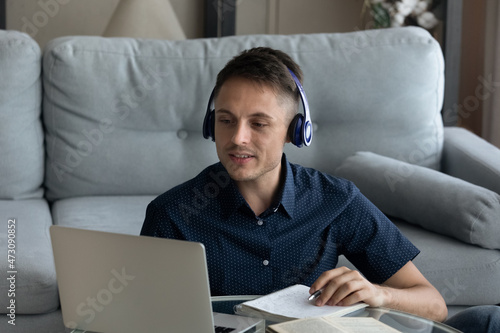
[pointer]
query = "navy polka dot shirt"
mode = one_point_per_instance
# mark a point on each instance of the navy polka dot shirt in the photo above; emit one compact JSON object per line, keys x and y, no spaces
{"x":317,"y":218}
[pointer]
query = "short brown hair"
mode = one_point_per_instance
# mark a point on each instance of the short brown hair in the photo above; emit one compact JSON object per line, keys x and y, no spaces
{"x":265,"y":66}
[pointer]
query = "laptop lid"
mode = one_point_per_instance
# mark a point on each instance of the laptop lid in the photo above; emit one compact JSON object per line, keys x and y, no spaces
{"x":124,"y":283}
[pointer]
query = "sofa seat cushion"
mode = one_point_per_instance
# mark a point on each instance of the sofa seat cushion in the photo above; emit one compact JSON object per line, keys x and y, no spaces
{"x":463,"y":274}
{"x":51,"y":322}
{"x":35,"y":284}
{"x":429,"y":198}
{"x":119,"y":214}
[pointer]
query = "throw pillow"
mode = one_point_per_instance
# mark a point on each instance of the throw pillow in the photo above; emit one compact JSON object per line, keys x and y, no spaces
{"x":429,"y":198}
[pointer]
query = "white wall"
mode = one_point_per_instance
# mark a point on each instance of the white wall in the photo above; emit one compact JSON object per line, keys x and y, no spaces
{"x":298,"y":16}
{"x":47,"y":19}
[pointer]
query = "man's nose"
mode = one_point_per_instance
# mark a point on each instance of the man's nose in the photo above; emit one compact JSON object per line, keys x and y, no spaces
{"x":241,"y":135}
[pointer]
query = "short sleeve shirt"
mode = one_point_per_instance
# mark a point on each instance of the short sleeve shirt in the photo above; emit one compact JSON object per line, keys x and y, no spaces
{"x":316,"y":218}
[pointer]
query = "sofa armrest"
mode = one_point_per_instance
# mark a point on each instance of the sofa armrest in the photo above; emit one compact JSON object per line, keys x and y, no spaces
{"x":468,"y":157}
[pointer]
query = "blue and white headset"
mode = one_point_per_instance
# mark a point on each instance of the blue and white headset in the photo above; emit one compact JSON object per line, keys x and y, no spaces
{"x":300,"y":131}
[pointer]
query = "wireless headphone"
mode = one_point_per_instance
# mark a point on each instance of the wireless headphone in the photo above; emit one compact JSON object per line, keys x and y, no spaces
{"x":300,"y":131}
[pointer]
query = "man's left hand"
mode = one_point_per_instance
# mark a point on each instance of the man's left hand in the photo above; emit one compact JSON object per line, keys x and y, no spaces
{"x":406,"y":290}
{"x":343,"y":286}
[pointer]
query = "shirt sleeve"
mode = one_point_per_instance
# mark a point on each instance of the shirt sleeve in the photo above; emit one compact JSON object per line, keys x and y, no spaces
{"x":157,"y":223}
{"x":150,"y":222}
{"x":371,"y":242}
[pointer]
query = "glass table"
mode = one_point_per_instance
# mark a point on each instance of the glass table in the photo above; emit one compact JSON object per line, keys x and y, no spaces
{"x":398,"y":320}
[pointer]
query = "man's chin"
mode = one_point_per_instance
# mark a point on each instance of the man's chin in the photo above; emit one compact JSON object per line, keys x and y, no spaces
{"x":239,"y":176}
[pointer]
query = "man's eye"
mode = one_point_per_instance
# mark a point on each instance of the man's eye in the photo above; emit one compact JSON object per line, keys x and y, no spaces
{"x":259,"y":125}
{"x":224,"y":121}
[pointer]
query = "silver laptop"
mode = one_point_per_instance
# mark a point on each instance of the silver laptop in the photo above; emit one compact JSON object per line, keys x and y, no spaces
{"x":123,"y":283}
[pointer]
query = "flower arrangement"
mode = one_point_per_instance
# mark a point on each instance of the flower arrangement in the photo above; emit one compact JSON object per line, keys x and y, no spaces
{"x":397,"y":13}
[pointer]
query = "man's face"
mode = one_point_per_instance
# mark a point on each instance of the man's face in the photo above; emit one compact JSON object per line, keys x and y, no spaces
{"x":250,"y":131}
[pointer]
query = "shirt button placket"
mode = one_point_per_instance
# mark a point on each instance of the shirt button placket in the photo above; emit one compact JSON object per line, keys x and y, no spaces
{"x":260,"y":221}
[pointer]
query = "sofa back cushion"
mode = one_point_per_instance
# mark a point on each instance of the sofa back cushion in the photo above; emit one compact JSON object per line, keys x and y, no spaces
{"x":124,"y":116}
{"x":21,"y":137}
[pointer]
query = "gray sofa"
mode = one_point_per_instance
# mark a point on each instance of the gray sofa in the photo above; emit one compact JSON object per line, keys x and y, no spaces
{"x":92,"y":129}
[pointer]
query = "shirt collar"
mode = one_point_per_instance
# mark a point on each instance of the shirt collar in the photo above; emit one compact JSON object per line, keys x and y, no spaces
{"x":287,"y":197}
{"x":231,"y":198}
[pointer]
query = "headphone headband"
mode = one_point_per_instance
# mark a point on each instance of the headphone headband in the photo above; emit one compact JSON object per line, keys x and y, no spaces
{"x":300,"y":131}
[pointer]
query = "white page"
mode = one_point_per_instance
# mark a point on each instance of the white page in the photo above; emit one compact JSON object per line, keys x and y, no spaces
{"x":293,"y":302}
{"x":361,"y":325}
{"x":307,"y":325}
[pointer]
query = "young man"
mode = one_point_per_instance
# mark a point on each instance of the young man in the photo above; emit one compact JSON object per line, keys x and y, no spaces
{"x":267,"y":224}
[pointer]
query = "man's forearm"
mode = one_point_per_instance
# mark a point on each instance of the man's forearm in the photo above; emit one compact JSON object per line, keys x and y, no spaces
{"x":407,"y":290}
{"x":422,"y":300}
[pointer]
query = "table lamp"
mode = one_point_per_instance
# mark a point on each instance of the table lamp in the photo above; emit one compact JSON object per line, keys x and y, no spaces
{"x":144,"y":19}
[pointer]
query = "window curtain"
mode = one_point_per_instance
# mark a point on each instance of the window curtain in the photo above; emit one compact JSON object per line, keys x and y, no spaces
{"x":491,"y":89}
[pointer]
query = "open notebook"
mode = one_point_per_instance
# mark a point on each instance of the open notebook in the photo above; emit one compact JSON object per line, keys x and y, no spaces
{"x":291,"y":303}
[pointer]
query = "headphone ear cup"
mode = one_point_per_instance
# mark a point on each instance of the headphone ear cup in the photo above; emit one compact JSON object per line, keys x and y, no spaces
{"x":295,"y":130}
{"x":209,"y":120}
{"x":209,"y":125}
{"x":212,"y":124}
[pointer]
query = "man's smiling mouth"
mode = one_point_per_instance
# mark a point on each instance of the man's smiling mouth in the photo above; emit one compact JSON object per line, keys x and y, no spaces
{"x":241,"y":158}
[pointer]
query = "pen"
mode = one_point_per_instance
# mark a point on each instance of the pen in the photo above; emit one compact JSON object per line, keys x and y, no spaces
{"x":315,"y":294}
